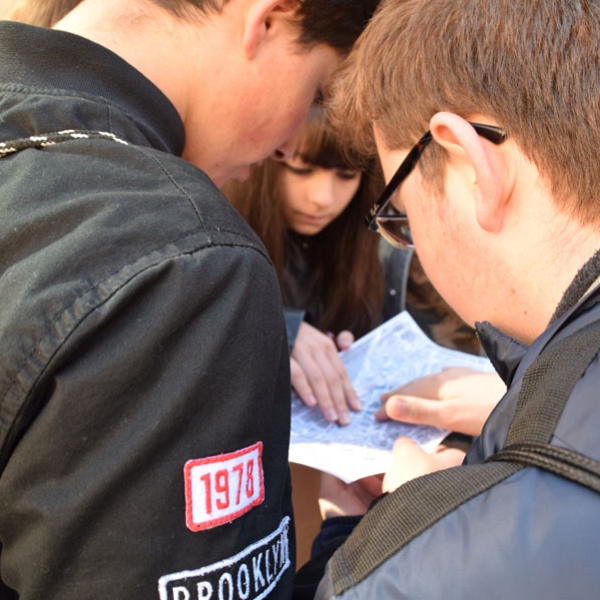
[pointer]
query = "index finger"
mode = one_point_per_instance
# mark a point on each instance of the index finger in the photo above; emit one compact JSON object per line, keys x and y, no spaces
{"x":341,"y":391}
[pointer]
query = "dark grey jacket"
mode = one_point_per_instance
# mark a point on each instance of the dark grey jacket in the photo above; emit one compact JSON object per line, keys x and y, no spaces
{"x":144,"y":372}
{"x":532,"y":536}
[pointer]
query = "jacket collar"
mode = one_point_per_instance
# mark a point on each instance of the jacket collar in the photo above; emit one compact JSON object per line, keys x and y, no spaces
{"x":504,"y":351}
{"x":63,"y":63}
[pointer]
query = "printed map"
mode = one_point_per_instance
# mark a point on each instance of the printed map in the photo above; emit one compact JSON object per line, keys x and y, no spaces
{"x":391,"y":355}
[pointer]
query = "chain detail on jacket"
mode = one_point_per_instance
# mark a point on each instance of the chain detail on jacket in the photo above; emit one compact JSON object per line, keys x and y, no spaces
{"x":50,"y":139}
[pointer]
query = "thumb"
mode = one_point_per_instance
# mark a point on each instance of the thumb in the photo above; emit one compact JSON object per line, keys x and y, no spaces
{"x":344,"y":340}
{"x":409,"y":460}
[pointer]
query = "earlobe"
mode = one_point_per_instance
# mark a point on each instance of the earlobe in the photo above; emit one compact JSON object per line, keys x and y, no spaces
{"x":481,"y":161}
{"x":260,"y":16}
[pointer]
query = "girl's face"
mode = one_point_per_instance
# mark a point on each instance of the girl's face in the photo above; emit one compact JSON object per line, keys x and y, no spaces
{"x":313,"y":196}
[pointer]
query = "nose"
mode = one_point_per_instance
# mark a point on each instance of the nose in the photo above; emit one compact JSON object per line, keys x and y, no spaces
{"x":320,"y":190}
{"x":287,"y":150}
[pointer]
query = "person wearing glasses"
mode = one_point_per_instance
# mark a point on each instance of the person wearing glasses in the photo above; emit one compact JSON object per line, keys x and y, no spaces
{"x":336,"y":276}
{"x":484,"y":114}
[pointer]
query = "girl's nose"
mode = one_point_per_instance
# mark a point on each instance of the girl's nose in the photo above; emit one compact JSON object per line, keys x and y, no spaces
{"x":321,"y":191}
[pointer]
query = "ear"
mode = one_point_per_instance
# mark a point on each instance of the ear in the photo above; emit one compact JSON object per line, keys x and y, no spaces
{"x":261,"y":15}
{"x":482,"y":162}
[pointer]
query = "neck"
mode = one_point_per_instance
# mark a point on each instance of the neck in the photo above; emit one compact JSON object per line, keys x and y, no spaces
{"x":548,"y":269}
{"x":179,"y":54}
{"x":135,"y":29}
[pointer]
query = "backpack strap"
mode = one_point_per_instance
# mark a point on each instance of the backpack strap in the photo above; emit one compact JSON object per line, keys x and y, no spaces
{"x":50,"y":139}
{"x":560,"y":461}
{"x":548,"y":383}
{"x":415,"y":506}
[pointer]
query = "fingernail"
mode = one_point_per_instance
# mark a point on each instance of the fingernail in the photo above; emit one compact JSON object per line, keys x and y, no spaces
{"x":331,"y":415}
{"x":311,"y":401}
{"x":344,"y":419}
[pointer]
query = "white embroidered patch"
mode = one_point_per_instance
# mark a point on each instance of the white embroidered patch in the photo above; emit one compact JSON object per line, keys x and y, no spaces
{"x":249,"y":575}
{"x":219,"y":489}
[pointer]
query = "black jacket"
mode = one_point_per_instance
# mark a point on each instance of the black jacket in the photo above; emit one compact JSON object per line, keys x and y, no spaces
{"x":144,"y":372}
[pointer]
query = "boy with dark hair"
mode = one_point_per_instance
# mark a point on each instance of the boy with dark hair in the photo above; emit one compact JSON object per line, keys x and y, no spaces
{"x":500,"y":198}
{"x":144,"y":377}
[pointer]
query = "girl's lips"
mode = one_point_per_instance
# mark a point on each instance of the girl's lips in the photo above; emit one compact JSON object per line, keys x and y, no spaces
{"x":312,"y":218}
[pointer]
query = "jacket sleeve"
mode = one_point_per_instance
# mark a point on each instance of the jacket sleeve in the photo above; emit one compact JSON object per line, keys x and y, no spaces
{"x":396,"y":268}
{"x":156,"y":464}
{"x":334,"y":531}
{"x":293,"y":320}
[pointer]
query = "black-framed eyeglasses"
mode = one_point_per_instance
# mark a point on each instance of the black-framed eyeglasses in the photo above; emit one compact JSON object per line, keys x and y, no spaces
{"x":385,"y":218}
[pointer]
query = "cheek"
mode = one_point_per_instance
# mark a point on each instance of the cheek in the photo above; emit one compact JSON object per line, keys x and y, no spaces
{"x":291,"y":190}
{"x":274,"y":123}
{"x":296,"y":118}
{"x":449,"y":282}
{"x":449,"y":262}
{"x":344,"y":193}
{"x":291,"y":107}
{"x":434,"y":242}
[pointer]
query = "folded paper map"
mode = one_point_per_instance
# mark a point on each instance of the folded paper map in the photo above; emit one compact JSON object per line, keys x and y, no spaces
{"x":391,"y":355}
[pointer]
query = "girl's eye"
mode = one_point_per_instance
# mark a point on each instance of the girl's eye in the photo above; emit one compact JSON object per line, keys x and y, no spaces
{"x":348,"y":175}
{"x":298,"y":170}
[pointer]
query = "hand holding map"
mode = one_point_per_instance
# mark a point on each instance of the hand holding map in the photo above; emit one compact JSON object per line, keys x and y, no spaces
{"x":393,"y":354}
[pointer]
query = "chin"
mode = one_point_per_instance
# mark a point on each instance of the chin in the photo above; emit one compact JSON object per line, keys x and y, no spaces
{"x":307,"y":230}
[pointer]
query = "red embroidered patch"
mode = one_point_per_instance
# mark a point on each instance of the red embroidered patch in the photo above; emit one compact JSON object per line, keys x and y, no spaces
{"x":219,"y":489}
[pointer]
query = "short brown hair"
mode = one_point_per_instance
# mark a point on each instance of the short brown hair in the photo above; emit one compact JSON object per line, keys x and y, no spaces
{"x":531,"y":65}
